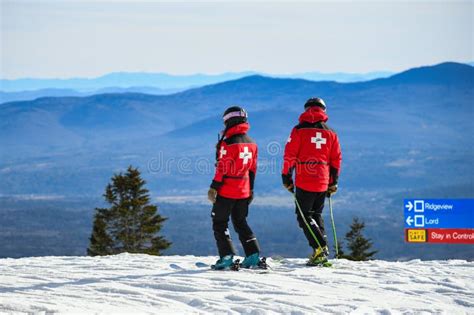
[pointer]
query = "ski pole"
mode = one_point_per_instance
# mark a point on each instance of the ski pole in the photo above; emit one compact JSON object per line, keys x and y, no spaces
{"x":306,"y":222}
{"x":333,"y":226}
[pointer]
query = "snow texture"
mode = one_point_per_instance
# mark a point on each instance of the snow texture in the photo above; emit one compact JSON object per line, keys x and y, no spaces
{"x":134,"y":284}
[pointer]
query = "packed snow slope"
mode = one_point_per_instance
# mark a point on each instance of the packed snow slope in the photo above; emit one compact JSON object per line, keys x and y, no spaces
{"x":133,"y":284}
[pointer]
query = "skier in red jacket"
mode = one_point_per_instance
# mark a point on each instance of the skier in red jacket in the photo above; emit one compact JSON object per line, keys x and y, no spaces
{"x":231,"y":191}
{"x":314,"y":153}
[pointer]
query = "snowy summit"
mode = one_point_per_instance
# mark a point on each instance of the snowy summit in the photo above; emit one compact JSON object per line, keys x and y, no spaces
{"x":131,"y":283}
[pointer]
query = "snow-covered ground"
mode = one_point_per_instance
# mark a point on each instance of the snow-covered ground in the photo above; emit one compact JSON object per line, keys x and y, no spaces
{"x":146,"y":284}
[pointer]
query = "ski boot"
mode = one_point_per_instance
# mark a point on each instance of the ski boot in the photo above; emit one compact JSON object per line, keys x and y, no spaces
{"x":251,"y":261}
{"x":225,"y":263}
{"x":254,"y":261}
{"x":319,"y":257}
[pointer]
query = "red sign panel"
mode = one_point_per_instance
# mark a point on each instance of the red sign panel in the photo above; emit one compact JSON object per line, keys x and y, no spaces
{"x":456,"y":236}
{"x":446,"y":236}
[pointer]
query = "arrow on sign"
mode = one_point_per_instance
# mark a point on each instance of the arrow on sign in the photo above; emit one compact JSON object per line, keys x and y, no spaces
{"x":409,"y":206}
{"x":409,"y":221}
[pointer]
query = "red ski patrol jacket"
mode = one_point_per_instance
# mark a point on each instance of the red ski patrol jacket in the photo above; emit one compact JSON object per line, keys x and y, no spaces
{"x":236,"y":164}
{"x":313,"y":150}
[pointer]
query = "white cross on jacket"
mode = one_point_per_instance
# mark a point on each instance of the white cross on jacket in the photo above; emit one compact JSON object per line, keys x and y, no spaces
{"x":246,"y":155}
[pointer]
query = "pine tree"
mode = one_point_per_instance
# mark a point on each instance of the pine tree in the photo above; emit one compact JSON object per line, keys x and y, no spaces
{"x":357,"y":243}
{"x":131,"y":224}
{"x":100,"y":241}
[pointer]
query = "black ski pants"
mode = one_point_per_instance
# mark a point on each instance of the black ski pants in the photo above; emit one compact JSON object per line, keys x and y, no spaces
{"x":238,"y":210}
{"x":312,"y":204}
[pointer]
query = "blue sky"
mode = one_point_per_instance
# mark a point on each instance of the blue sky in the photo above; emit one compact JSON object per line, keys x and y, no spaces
{"x":89,"y":38}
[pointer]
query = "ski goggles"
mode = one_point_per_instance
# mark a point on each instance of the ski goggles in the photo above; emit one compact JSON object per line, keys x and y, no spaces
{"x":240,"y":113}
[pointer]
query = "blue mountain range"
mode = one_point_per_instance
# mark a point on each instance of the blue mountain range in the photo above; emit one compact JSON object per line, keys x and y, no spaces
{"x":148,"y":83}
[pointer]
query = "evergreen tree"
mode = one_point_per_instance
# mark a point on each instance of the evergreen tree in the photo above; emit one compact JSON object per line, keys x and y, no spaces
{"x":100,"y":241}
{"x":358,"y":245}
{"x":131,"y":224}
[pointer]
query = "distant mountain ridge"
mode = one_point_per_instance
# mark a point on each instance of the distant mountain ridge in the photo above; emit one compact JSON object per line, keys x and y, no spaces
{"x":119,"y":80}
{"x":168,"y":81}
{"x":449,"y":73}
{"x":6,"y":97}
{"x":150,"y":83}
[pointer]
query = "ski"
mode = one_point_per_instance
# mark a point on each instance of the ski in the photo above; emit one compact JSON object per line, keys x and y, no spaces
{"x":176,"y":267}
{"x":261,"y":268}
{"x":200,"y":264}
{"x":325,"y":264}
{"x":234,"y":267}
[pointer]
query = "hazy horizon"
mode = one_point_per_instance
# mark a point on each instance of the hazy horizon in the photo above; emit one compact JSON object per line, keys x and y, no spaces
{"x":249,"y":72}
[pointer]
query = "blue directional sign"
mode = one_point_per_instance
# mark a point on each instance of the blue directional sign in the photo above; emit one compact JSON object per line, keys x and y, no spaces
{"x":439,"y":213}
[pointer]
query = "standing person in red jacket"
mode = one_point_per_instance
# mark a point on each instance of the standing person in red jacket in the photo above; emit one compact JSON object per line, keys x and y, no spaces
{"x":313,"y":151}
{"x":231,"y":191}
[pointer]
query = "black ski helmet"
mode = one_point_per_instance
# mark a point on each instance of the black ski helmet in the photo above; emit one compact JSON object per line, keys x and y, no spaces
{"x":234,"y":115}
{"x":315,"y":101}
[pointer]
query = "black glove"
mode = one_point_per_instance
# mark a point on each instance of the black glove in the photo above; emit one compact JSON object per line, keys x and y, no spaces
{"x":332,"y":190}
{"x":288,"y":182}
{"x":250,"y":198}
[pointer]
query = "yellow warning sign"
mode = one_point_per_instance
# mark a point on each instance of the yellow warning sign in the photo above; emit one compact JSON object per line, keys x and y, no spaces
{"x":416,"y":235}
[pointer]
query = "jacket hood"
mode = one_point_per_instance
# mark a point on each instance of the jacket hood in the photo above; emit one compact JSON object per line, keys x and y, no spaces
{"x":237,"y":129}
{"x":313,"y":114}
